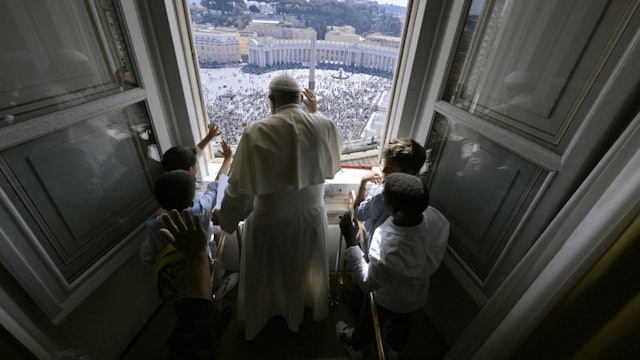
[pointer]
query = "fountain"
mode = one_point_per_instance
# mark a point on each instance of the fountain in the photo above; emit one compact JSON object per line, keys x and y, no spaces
{"x":340,"y":75}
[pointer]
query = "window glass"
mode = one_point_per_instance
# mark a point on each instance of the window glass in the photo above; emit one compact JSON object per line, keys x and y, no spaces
{"x":346,"y":52}
{"x":54,"y":57}
{"x":524,"y":79}
{"x":481,"y":188}
{"x":90,"y":184}
{"x":78,"y":162}
{"x":518,"y":63}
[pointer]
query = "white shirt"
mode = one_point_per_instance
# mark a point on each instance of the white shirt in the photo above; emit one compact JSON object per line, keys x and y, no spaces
{"x":401,"y":261}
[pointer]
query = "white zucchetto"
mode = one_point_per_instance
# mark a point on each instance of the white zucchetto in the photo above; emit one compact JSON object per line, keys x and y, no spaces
{"x":284,"y":82}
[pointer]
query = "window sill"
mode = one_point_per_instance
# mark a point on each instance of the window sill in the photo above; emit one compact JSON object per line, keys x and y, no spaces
{"x":336,"y":190}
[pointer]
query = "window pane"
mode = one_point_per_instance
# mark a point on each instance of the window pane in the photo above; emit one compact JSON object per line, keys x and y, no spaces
{"x":54,"y":57}
{"x":345,"y":51}
{"x":520,"y":63}
{"x":481,"y":188}
{"x":90,"y":184}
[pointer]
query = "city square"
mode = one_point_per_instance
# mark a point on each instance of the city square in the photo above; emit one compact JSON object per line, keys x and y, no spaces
{"x":355,"y":101}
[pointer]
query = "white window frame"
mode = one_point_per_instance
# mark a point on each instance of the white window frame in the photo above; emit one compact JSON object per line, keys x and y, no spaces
{"x":563,"y":252}
{"x":22,"y":254}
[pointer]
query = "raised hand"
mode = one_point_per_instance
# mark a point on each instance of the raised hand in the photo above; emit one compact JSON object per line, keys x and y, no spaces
{"x":226,"y":150}
{"x":186,"y":235}
{"x":213,"y":130}
{"x":309,"y":100}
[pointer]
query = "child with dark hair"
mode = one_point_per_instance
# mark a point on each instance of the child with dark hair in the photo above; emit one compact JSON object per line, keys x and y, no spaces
{"x":182,"y":157}
{"x":402,"y":155}
{"x":185,"y":157}
{"x":174,"y":190}
{"x":405,"y":250}
{"x":177,"y":189}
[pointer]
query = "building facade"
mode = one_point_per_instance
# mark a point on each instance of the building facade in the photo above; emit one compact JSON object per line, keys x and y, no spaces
{"x":217,"y":47}
{"x":265,"y":52}
{"x":279,"y":29}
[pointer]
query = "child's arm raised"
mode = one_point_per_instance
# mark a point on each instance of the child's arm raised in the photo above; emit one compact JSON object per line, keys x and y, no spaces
{"x":227,"y":153}
{"x":211,"y":134}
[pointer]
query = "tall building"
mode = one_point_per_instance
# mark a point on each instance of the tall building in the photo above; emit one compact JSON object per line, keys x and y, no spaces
{"x":278,"y":29}
{"x":217,"y":46}
{"x":345,"y":34}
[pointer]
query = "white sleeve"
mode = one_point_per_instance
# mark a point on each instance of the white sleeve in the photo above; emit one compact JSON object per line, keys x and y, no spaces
{"x":235,"y":208}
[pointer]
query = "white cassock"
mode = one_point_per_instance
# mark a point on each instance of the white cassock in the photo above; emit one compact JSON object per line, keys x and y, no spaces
{"x":276,"y":183}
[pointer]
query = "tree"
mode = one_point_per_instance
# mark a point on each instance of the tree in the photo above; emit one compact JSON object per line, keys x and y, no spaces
{"x":223,"y":6}
{"x":320,"y":26}
{"x":240,"y":7}
{"x":254,"y":9}
{"x":363,"y":17}
{"x":388,"y":25}
{"x":240,"y":16}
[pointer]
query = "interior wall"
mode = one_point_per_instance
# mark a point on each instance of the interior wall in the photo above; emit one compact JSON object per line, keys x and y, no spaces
{"x":449,"y":306}
{"x":107,"y":320}
{"x":11,"y":348}
{"x":599,"y":317}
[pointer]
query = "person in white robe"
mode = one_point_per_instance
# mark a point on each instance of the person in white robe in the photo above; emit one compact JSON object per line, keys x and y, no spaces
{"x":276,"y":185}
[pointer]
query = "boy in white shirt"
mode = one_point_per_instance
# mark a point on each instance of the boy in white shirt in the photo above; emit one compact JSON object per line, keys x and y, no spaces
{"x":405,"y":250}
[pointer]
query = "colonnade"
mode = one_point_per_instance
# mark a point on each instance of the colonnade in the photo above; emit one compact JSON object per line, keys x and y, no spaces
{"x":276,"y":52}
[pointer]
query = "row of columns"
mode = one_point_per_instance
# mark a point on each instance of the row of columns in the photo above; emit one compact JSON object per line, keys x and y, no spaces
{"x":275,"y":54}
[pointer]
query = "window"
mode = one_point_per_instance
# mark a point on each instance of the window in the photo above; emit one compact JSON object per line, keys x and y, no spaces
{"x":55,"y":60}
{"x":517,"y":65}
{"x":483,"y":189}
{"x":74,"y":132}
{"x":353,"y":49}
{"x":516,"y":92}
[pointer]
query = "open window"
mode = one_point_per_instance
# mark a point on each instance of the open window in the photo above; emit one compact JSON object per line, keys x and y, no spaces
{"x":347,"y":52}
{"x":77,"y":151}
{"x":516,"y":92}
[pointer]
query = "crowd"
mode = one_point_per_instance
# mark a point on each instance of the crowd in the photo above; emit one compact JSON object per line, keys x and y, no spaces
{"x":257,"y":70}
{"x":236,"y":98}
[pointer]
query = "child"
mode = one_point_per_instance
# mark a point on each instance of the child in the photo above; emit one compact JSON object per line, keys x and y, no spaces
{"x":186,"y":157}
{"x":172,"y":192}
{"x":175,"y":190}
{"x":401,"y":155}
{"x":193,"y":336}
{"x":405,"y":250}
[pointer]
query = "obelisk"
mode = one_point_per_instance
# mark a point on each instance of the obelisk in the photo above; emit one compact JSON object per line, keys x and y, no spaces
{"x":312,"y":64}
